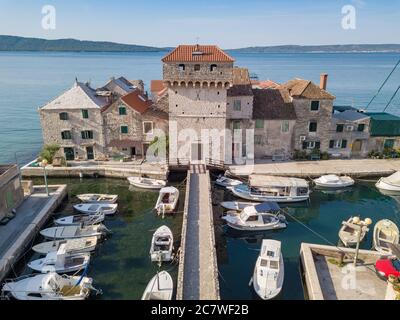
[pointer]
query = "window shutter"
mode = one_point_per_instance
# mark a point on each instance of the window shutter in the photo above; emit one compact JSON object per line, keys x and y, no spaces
{"x":331,"y":143}
{"x":304,"y":145}
{"x":344,"y":144}
{"x":317,"y":145}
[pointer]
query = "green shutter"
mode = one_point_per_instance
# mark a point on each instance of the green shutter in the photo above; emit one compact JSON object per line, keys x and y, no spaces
{"x":9,"y":200}
{"x":259,"y":124}
{"x":124,"y":129}
{"x":122,"y":111}
{"x":331,"y":144}
{"x":344,"y":144}
{"x":85,"y":114}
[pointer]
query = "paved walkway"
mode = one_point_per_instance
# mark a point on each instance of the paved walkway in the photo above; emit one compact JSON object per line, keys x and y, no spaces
{"x":353,"y":167}
{"x":200,"y":280}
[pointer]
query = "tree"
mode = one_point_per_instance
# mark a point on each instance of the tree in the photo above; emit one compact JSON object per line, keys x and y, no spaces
{"x":48,"y":152}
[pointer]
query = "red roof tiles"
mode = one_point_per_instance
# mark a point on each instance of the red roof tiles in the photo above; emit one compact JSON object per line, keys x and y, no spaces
{"x":197,"y":53}
{"x":137,"y":101}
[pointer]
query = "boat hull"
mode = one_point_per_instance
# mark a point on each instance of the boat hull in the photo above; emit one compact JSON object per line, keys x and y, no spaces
{"x":160,"y":287}
{"x":386,"y":186}
{"x":281,"y":199}
{"x":138,"y":184}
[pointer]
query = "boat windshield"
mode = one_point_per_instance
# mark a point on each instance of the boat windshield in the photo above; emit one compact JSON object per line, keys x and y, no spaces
{"x":243,"y":216}
{"x":396,"y":264}
{"x":302,"y":191}
{"x":274,"y":265}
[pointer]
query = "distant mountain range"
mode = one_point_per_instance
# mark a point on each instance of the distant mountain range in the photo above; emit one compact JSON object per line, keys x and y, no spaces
{"x":14,"y":43}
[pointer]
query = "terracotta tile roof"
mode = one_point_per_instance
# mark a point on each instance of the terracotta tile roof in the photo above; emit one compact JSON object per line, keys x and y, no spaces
{"x":197,"y":53}
{"x":264,"y":84}
{"x":273,"y":104}
{"x":137,"y":101}
{"x":157,"y":86}
{"x":306,"y":89}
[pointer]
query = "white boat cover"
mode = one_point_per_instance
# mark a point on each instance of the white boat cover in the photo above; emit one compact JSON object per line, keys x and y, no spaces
{"x":394,"y":179}
{"x":330,"y":178}
{"x":260,"y":181}
{"x":262,"y":207}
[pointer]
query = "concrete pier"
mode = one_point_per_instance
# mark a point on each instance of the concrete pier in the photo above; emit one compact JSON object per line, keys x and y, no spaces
{"x":16,"y":236}
{"x":198,"y":270}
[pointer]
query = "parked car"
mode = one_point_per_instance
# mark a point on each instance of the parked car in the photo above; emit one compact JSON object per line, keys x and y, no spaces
{"x":388,"y":267}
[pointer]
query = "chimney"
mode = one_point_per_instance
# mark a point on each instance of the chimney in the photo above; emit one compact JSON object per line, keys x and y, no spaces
{"x":323,"y":81}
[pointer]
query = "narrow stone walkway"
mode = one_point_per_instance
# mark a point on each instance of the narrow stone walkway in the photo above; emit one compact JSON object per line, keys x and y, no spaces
{"x":200,"y":280}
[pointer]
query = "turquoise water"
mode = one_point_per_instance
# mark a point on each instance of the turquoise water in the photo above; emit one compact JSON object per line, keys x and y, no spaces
{"x":29,"y":80}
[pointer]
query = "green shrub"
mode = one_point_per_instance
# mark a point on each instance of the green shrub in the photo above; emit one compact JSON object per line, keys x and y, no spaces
{"x":48,"y":152}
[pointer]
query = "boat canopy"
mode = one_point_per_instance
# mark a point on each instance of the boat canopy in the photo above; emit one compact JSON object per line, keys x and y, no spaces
{"x":261,"y":181}
{"x":270,"y":249}
{"x":168,"y":190}
{"x":330,"y":178}
{"x":394,"y":179}
{"x":268,"y":206}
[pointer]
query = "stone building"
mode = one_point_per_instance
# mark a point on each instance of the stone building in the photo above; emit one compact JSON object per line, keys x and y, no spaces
{"x":314,"y":107}
{"x":130,"y":124}
{"x":384,"y":131}
{"x":274,"y":120}
{"x":349,"y":134}
{"x":198,"y":78}
{"x":74,"y":122}
{"x":11,"y":192}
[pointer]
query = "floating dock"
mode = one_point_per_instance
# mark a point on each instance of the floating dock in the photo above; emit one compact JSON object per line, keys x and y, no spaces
{"x":198,"y":270}
{"x":16,"y":236}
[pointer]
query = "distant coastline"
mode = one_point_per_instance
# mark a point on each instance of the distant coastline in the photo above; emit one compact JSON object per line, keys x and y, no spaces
{"x":15,"y":43}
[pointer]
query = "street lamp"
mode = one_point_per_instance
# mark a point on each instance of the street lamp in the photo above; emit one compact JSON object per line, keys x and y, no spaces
{"x":360,"y":224}
{"x":43,"y":164}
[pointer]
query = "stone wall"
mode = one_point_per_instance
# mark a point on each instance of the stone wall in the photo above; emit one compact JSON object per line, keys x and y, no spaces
{"x":246,"y":111}
{"x":377,"y":143}
{"x":304,"y":115}
{"x":52,"y":127}
{"x":11,"y":192}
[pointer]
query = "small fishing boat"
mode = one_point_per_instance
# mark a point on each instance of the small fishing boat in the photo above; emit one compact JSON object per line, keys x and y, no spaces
{"x":235,"y":205}
{"x":264,"y":216}
{"x":272,"y":188}
{"x":333,"y":181}
{"x":60,"y":262}
{"x":348,"y":233}
{"x":391,"y":183}
{"x":146,"y":183}
{"x":73,"y":232}
{"x":160,"y":287}
{"x":49,"y":286}
{"x":224,"y":181}
{"x":269,"y":270}
{"x":87,"y":219}
{"x":98,"y":198}
{"x":92,"y":208}
{"x":167,"y":200}
{"x":71,"y":246}
{"x":386,"y":232}
{"x":162,"y":245}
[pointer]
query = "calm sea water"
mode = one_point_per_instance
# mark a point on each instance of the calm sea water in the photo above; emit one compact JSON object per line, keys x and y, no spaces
{"x":121,"y":266}
{"x":29,"y":80}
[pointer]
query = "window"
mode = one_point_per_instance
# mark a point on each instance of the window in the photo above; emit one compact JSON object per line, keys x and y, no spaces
{"x":196,"y":67}
{"x":389,"y":143}
{"x":237,"y":105}
{"x":148,"y":127}
{"x":236,"y":125}
{"x":339,"y":127}
{"x":314,"y":105}
{"x":344,"y":144}
{"x":181,"y":67}
{"x":63,"y":116}
{"x":312,"y":127}
{"x":285,"y":126}
{"x":85,"y":114}
{"x":311,"y":144}
{"x":87,"y":134}
{"x":122,"y":111}
{"x":361,"y":127}
{"x":66,"y":135}
{"x":331,"y":144}
{"x":213,"y":67}
{"x":259,"y":123}
{"x":258,"y":139}
{"x":349,"y":128}
{"x":124,"y":129}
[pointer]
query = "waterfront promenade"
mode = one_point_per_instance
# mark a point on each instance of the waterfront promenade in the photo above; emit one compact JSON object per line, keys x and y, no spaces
{"x":357,"y":168}
{"x":198,"y":271}
{"x":17,"y":235}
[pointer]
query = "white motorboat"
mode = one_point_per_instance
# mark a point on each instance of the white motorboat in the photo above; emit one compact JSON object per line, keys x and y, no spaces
{"x":271,"y":188}
{"x":333,"y":181}
{"x":160,"y":287}
{"x":61,"y":262}
{"x":146,"y":183}
{"x":391,"y":183}
{"x":49,"y":286}
{"x":98,"y":198}
{"x":386,"y":232}
{"x":264,"y":216}
{"x":87,"y":219}
{"x":162,"y":245}
{"x":92,"y":208}
{"x":71,"y":246}
{"x":269,"y":270}
{"x":167,"y":200}
{"x":73,"y":232}
{"x":235,"y":205}
{"x":224,"y":181}
{"x":348,"y":233}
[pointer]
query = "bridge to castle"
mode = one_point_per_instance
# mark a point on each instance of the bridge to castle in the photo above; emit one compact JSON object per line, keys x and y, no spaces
{"x":198,"y":270}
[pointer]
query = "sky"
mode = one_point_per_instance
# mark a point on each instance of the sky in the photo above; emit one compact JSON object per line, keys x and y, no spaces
{"x":228,"y":23}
